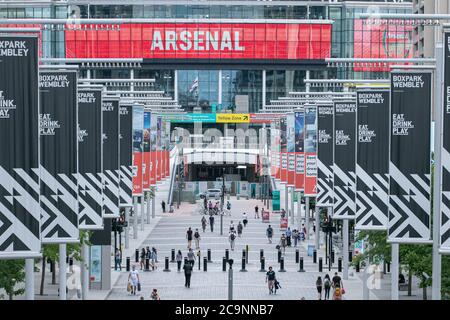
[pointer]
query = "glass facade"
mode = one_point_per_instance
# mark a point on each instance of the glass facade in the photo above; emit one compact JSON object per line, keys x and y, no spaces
{"x":242,"y":82}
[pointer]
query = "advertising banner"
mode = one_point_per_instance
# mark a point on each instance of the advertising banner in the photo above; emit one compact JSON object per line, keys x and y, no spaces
{"x":58,"y":122}
{"x":153,"y":148}
{"x":283,"y":150}
{"x":300,"y":150}
{"x":372,"y":160}
{"x":163,"y":149}
{"x":111,"y":157}
{"x":286,"y":41}
{"x":20,"y":216}
{"x":325,"y":158}
{"x":146,"y":149}
{"x":277,"y":149}
{"x":344,"y":187}
{"x":126,"y":155}
{"x":158,"y":148}
{"x":167,"y":149}
{"x":138,"y":137}
{"x":310,"y":151}
{"x":90,"y":161}
{"x":445,"y":153}
{"x":275,"y":200}
{"x":290,"y":142}
{"x":409,"y":168}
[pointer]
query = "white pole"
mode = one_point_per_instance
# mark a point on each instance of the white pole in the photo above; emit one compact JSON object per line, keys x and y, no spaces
{"x":62,"y":271}
{"x":317,"y":236}
{"x":438,"y":93}
{"x":366,"y":292}
{"x":299,"y":211}
{"x":395,"y":271}
{"x":142,"y":212}
{"x":154,"y":203}
{"x":307,"y":217}
{"x":292,"y":206}
{"x":286,"y":200}
{"x":345,"y":249}
{"x":127,"y":229}
{"x":149,"y":208}
{"x":135,"y":218}
{"x":84,"y":271}
{"x":29,"y":279}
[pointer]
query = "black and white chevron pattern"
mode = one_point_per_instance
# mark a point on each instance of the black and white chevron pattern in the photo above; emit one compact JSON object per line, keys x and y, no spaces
{"x":90,"y":199}
{"x":409,"y":206}
{"x":372,"y":197}
{"x":344,"y":190}
{"x":111,"y":182}
{"x":126,"y":186}
{"x":59,"y":207}
{"x":324,"y":185}
{"x":445,"y":201}
{"x":19,"y":214}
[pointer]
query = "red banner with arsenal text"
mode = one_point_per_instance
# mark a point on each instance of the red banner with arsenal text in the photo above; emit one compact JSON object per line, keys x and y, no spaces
{"x":293,"y":41}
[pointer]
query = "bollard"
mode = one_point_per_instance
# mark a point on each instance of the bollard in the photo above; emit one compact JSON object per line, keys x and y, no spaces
{"x":199,"y":263}
{"x":243,"y":254}
{"x":282,"y":265}
{"x":357,"y":267}
{"x":247,"y":249}
{"x":224,"y":264}
{"x":279,"y":255}
{"x":388,"y":266}
{"x":332,"y":256}
{"x":136,"y":256}
{"x":301,"y":265}
{"x":297,"y":255}
{"x":166,"y":265}
{"x":261,"y":254}
{"x":340,"y":265}
{"x":227,"y":254}
{"x":243,"y":265}
{"x":315,"y":256}
{"x":209,"y":255}
{"x":350,"y":256}
{"x":128,"y":264}
{"x":147,"y":264}
{"x":320,"y":264}
{"x":172,"y":255}
{"x":263,"y":265}
{"x":205,"y":264}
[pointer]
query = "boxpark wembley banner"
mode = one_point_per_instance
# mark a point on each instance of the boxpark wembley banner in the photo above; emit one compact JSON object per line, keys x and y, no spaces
{"x":111,"y":161}
{"x":344,"y":180}
{"x":290,"y":146}
{"x":138,"y":137}
{"x":409,"y":168}
{"x":445,"y":153}
{"x":310,"y":151}
{"x":325,"y":159}
{"x":372,"y":160}
{"x":126,"y":158}
{"x":59,"y":156}
{"x":299,"y":149}
{"x":146,"y":149}
{"x":19,"y":144}
{"x":90,"y":153}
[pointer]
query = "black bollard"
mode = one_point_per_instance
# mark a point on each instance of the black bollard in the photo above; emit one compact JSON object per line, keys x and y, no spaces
{"x":247,"y":249}
{"x":224,"y":264}
{"x":209,"y":255}
{"x":340,"y":265}
{"x":227,"y":254}
{"x":315,"y":256}
{"x":388,"y":266}
{"x":172,"y":255}
{"x":332,"y":256}
{"x":282,"y":265}
{"x":297,"y":255}
{"x":136,"y":255}
{"x":147,"y":264}
{"x":263,"y":265}
{"x":320,"y":264}
{"x":243,"y":253}
{"x":261,"y":254}
{"x":166,"y":265}
{"x":279,"y":255}
{"x":301,"y":265}
{"x":199,"y":263}
{"x":350,"y":256}
{"x":357,"y":267}
{"x":128,"y":264}
{"x":205,"y":264}
{"x":70,"y":261}
{"x":243,"y":265}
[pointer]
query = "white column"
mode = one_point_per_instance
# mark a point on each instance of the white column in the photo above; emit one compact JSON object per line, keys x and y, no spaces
{"x":84,"y":271}
{"x":286,"y":200}
{"x":127,"y":229}
{"x":142,"y":212}
{"x":317,"y":235}
{"x":29,"y":279}
{"x":345,"y":232}
{"x":62,"y":271}
{"x":135,"y":218}
{"x":395,"y":248}
{"x":307,"y":217}
{"x":149,"y":208}
{"x":366,"y":292}
{"x":299,"y":211}
{"x":154,"y":203}
{"x":292,"y":206}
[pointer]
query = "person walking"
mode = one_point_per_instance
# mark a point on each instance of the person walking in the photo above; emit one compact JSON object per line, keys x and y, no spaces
{"x":283,"y":243}
{"x":232,"y":239}
{"x":269,"y":233}
{"x":288,"y":236}
{"x":239,"y":229}
{"x":152,"y":258}
{"x":319,"y":285}
{"x":163,"y":206}
{"x":256,"y":212}
{"x":142,"y":256}
{"x":270,"y":279}
{"x":133,"y":279}
{"x":155,"y":254}
{"x":188,"y":267}
{"x":231,"y":229}
{"x":203,"y":223}
{"x":179,"y":259}
{"x":327,"y":286}
{"x":155,"y":295}
{"x":244,"y":219}
{"x":295,"y":236}
{"x":211,"y":222}
{"x":189,"y":237}
{"x":117,"y":260}
{"x":337,"y":281}
{"x":191,"y":257}
{"x":197,"y":239}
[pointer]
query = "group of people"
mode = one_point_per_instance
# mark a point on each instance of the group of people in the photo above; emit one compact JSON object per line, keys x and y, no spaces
{"x":134,"y":285}
{"x":327,"y":284}
{"x":151,"y":255}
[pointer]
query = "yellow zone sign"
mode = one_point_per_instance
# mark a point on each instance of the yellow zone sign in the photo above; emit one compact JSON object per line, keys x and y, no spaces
{"x":233,"y":118}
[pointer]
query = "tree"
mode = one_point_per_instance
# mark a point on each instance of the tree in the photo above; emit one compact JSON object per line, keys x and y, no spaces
{"x":417,"y":260}
{"x":12,"y":273}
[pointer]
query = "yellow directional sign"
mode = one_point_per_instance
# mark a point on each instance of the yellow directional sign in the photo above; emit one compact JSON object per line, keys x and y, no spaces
{"x":232,"y":118}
